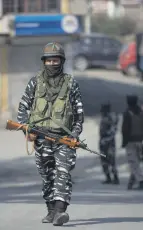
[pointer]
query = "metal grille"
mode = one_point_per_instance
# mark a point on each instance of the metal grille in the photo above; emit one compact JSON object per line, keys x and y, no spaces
{"x":30,"y":6}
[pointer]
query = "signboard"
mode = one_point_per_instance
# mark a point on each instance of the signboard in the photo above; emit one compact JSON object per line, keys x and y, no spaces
{"x":139,"y":42}
{"x":40,"y":25}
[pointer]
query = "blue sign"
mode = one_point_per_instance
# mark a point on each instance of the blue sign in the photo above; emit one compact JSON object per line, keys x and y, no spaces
{"x":40,"y":25}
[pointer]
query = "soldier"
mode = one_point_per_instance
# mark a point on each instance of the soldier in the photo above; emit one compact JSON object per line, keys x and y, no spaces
{"x":54,"y":96}
{"x":139,"y":54}
{"x":132,"y":133}
{"x":108,"y":128}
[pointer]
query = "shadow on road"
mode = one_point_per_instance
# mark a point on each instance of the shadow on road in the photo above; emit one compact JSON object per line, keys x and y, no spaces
{"x":20,"y":183}
{"x":106,"y":220}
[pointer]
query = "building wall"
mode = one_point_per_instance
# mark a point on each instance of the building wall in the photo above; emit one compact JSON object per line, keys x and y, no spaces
{"x":78,"y":7}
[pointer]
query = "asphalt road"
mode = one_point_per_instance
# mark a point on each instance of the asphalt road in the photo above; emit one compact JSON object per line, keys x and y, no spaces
{"x":93,"y":205}
{"x":97,"y":87}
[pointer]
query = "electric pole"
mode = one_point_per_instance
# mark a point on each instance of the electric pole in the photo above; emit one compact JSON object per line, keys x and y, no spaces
{"x":88,"y":17}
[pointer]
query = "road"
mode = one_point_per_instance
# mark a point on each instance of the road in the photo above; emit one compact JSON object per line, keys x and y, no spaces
{"x":93,"y":205}
{"x":21,"y":62}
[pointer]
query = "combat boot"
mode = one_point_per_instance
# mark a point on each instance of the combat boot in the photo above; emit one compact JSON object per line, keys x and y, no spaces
{"x":108,"y":180}
{"x":51,"y":211}
{"x":61,"y":217}
{"x":116,"y":179}
{"x":131,"y":182}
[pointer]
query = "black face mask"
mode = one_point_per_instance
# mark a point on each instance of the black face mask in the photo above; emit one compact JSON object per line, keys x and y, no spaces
{"x":53,"y":70}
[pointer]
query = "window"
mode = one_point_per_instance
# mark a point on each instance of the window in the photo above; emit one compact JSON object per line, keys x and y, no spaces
{"x":8,"y":6}
{"x":111,"y":45}
{"x":52,"y":5}
{"x":115,"y":45}
{"x":86,"y":41}
{"x":30,"y":6}
{"x":106,"y":44}
{"x":97,"y":43}
{"x":13,"y":6}
{"x":49,"y":6}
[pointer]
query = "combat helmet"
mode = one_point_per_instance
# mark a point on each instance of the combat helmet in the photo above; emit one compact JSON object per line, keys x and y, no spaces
{"x":53,"y":49}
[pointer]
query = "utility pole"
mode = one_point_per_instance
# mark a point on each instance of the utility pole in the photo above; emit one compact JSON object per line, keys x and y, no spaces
{"x":1,"y":8}
{"x":65,"y":6}
{"x":87,"y":22}
{"x":65,"y":9}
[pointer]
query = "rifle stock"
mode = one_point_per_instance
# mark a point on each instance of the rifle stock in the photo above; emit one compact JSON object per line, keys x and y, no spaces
{"x":12,"y":125}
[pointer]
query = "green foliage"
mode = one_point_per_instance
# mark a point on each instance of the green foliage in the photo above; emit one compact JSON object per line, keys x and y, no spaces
{"x":117,"y":26}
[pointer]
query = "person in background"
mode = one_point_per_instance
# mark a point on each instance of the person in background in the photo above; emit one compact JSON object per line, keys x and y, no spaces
{"x":132,"y":135}
{"x":107,"y":145}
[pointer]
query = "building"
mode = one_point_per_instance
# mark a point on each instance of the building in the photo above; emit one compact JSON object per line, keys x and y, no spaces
{"x":79,"y":7}
{"x":30,"y":6}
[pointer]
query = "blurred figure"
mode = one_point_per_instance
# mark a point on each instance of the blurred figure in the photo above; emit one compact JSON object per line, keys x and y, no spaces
{"x":132,"y":132}
{"x":108,"y":128}
{"x":139,"y":54}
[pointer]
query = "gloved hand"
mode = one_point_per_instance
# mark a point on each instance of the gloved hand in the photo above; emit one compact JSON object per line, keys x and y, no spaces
{"x":31,"y":137}
{"x":75,"y":134}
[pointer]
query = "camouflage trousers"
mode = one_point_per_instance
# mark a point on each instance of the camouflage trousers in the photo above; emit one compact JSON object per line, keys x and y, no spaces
{"x":134,"y":151}
{"x":108,"y":163}
{"x":54,"y":163}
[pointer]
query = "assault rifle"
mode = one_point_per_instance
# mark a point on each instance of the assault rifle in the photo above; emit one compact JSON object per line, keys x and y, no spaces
{"x":33,"y":130}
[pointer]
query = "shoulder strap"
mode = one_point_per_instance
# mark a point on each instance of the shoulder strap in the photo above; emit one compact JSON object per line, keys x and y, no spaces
{"x":38,"y":75}
{"x":66,"y":85}
{"x":41,"y":84}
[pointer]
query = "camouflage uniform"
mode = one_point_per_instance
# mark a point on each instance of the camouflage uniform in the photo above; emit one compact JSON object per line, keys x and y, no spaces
{"x":134,"y":151}
{"x":108,"y":127}
{"x":54,"y":161}
{"x":45,"y":150}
